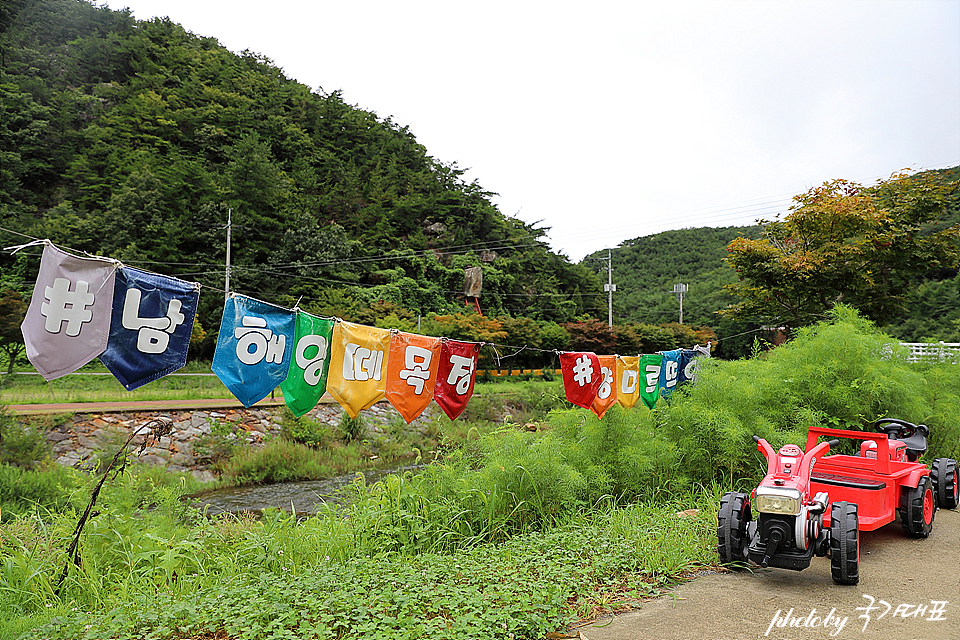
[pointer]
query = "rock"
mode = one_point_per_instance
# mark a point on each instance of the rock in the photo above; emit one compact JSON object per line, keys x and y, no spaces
{"x":88,"y":443}
{"x":202,"y":475}
{"x":56,"y":436}
{"x":181,"y":460}
{"x":63,"y":447}
{"x":69,"y":459}
{"x":155,"y":451}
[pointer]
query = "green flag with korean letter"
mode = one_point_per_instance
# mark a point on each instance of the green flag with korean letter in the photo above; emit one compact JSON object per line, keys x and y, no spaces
{"x":650,"y":365}
{"x":307,"y":379}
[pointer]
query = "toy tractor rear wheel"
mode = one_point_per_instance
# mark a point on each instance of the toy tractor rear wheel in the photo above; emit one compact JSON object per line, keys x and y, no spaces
{"x":919,"y":509}
{"x":945,"y":488}
{"x":732,"y":521}
{"x":844,"y":543}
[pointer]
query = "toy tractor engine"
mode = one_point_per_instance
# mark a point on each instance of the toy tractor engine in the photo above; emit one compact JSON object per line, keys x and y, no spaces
{"x":792,"y":526}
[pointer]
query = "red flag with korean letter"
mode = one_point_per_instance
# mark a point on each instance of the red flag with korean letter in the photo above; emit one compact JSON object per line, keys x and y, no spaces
{"x":412,"y":373}
{"x":455,"y":377}
{"x":581,"y":376}
{"x":607,"y":391}
{"x":68,"y":321}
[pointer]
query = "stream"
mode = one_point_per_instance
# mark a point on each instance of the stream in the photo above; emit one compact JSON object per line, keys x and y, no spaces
{"x":302,"y":497}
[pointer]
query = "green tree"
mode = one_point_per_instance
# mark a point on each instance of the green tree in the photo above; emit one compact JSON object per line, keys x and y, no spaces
{"x":13,"y":308}
{"x":844,"y":243}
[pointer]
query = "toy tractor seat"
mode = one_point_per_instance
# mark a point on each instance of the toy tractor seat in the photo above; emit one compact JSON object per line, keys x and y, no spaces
{"x":912,"y":435}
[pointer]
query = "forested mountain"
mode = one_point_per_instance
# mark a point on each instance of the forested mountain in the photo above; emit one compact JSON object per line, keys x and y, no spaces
{"x":646,"y":269}
{"x":136,"y":139}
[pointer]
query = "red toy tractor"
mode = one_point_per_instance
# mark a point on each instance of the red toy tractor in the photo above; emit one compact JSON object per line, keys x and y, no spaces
{"x":811,"y":504}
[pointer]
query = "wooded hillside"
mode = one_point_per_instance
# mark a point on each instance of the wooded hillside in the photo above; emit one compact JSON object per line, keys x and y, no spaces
{"x":134,"y":139}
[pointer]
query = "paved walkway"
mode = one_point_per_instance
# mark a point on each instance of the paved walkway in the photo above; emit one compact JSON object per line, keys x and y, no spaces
{"x":135,"y":405}
{"x":919,"y":579}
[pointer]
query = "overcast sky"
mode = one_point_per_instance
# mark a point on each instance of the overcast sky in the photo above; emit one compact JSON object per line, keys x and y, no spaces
{"x":610,"y":120}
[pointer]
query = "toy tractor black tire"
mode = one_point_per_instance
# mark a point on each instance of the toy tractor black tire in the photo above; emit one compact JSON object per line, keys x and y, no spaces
{"x":732,"y":521}
{"x":844,"y":543}
{"x":945,"y":487}
{"x":918,"y":509}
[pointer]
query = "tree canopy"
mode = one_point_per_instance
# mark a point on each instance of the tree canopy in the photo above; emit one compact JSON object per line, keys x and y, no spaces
{"x":846,"y":243}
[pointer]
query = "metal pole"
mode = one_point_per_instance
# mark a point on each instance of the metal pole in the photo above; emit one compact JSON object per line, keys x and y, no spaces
{"x":609,"y":289}
{"x":678,"y":290}
{"x":226,"y":284}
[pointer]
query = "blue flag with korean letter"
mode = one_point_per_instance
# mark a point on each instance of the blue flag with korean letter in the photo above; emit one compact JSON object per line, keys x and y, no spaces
{"x":150,"y":327}
{"x":669,"y":372}
{"x":254,"y":347}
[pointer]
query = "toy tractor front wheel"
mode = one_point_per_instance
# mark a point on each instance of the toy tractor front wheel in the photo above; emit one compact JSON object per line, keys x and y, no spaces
{"x":919,"y":509}
{"x":945,"y":489}
{"x":844,"y":543}
{"x":732,"y":521}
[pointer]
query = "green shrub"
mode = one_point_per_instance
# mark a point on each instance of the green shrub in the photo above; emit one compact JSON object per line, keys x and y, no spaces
{"x":217,"y":447}
{"x":304,"y":430}
{"x":351,"y":428}
{"x":19,"y":445}
{"x":277,"y":461}
{"x":51,"y":487}
{"x":842,"y":372}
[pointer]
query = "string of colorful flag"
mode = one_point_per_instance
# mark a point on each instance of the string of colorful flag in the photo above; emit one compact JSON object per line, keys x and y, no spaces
{"x":139,"y":324}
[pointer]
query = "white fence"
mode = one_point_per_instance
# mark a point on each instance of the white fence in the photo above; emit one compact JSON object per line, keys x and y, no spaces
{"x":933,"y":351}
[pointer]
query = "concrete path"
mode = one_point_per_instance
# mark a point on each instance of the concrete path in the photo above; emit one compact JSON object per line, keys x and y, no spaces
{"x":135,"y":405}
{"x":907,"y":573}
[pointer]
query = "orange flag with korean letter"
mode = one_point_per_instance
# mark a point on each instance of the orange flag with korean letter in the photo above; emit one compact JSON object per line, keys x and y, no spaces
{"x":607,"y":391}
{"x":628,"y":380}
{"x":358,"y":365}
{"x":412,"y":373}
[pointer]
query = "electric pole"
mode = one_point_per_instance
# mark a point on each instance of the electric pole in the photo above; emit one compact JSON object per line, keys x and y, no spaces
{"x":678,"y":290}
{"x":609,"y":288}
{"x":226,"y":284}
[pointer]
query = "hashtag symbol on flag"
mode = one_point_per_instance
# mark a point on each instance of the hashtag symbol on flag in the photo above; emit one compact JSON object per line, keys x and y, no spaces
{"x":583,"y":371}
{"x":67,"y":306}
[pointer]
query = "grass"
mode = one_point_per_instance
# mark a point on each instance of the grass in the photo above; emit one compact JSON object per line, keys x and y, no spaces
{"x":94,"y":383}
{"x":161,"y":573}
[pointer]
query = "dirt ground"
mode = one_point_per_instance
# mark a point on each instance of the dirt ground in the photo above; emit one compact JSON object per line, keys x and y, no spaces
{"x":899,"y":576}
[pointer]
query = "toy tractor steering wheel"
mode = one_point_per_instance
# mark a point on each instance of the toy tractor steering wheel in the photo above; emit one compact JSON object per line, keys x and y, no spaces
{"x":912,"y":435}
{"x":899,"y":428}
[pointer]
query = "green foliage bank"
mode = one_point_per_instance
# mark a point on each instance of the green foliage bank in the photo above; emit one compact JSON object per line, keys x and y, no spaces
{"x":516,"y":532}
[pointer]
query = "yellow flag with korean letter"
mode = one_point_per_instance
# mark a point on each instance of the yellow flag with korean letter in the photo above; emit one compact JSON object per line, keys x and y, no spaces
{"x":358,"y":365}
{"x":628,"y":380}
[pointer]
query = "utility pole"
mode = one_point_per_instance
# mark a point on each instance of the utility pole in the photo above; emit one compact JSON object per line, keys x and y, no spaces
{"x":678,"y":290}
{"x":609,"y":288}
{"x":226,"y":284}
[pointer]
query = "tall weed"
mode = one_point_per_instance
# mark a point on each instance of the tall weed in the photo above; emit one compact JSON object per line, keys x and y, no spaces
{"x":842,"y":373}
